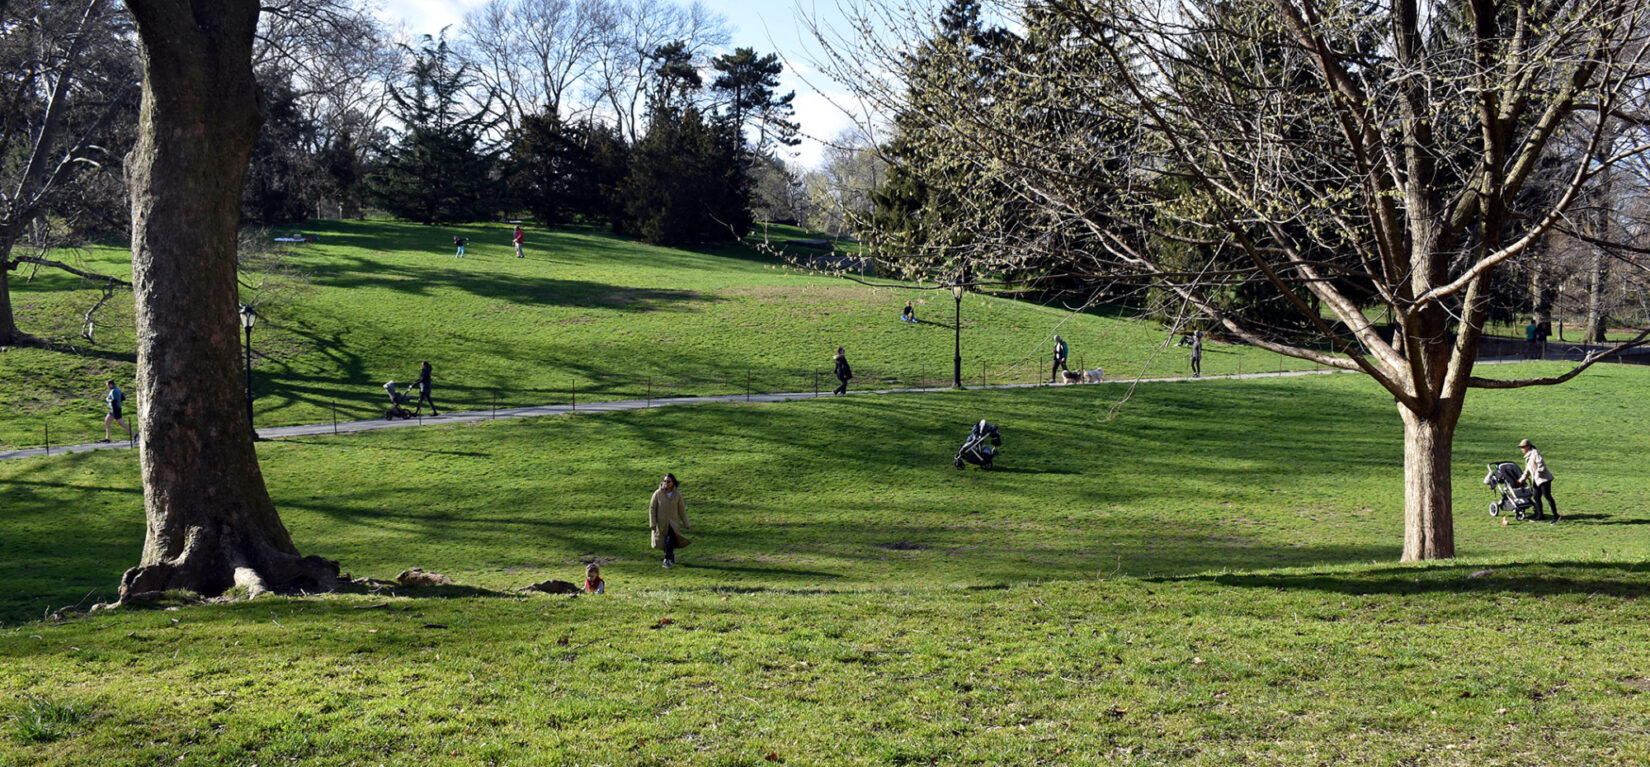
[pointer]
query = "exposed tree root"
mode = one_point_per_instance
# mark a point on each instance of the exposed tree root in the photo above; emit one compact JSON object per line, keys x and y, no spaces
{"x":213,"y":570}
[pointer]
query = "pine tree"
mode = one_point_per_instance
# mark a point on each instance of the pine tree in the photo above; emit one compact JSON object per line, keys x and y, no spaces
{"x":438,"y":170}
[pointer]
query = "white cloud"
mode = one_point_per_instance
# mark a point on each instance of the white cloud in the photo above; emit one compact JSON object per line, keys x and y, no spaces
{"x":426,"y":17}
{"x":821,"y":121}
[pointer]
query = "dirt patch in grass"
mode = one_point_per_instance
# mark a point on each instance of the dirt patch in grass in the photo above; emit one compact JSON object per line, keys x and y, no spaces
{"x":901,"y":546}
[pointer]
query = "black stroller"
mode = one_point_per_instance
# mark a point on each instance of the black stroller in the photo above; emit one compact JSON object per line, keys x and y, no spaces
{"x":398,"y":401}
{"x":975,"y":450}
{"x":1513,"y":496}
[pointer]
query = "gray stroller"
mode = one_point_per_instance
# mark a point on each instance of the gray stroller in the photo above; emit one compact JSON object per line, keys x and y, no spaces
{"x":399,"y":402}
{"x":1512,"y":495}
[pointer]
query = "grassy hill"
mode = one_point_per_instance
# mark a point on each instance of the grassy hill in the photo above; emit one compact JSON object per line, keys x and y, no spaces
{"x":1207,"y":578}
{"x":613,"y":318}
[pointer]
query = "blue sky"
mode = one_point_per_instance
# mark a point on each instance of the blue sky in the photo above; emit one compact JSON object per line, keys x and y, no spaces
{"x":766,"y":25}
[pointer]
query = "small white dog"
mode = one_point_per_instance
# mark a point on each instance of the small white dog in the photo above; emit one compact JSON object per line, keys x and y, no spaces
{"x":1093,"y":376}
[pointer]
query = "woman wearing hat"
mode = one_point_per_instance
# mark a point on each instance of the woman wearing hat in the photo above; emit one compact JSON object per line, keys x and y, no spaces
{"x":1540,"y":479}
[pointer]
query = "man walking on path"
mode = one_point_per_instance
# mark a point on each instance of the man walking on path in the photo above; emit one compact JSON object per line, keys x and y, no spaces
{"x":1059,"y":360}
{"x":517,"y":240}
{"x":1540,"y":479}
{"x":115,"y":399}
{"x":1530,"y":346}
{"x":1197,"y":354}
{"x":424,"y":389}
{"x":843,"y":372}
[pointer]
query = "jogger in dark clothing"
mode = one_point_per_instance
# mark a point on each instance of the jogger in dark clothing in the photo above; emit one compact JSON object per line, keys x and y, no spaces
{"x":424,"y":389}
{"x":843,"y":372}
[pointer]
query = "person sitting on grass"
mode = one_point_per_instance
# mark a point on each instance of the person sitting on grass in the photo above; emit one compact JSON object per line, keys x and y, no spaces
{"x":593,"y":583}
{"x":909,"y":315}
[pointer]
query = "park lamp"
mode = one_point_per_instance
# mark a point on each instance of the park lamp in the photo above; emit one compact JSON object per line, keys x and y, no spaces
{"x":956,"y":359}
{"x":249,"y":317}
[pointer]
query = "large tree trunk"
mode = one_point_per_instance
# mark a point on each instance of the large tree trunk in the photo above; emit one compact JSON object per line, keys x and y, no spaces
{"x":1429,"y":522}
{"x":9,"y":334}
{"x":211,"y":523}
{"x":1597,"y":310}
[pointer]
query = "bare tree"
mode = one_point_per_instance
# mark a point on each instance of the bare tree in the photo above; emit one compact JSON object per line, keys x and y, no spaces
{"x":839,"y":190}
{"x":632,"y":30}
{"x":336,"y":58}
{"x":211,"y":523}
{"x":1343,"y":156}
{"x":532,"y":53}
{"x":65,"y":74}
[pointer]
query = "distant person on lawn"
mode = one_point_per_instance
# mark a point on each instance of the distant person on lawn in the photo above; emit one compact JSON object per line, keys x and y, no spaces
{"x":1539,"y":477}
{"x":1197,"y":354}
{"x":909,"y":315}
{"x":517,"y":241}
{"x":842,"y":371}
{"x":667,"y":519}
{"x":424,"y":389}
{"x":1531,"y":347}
{"x":1060,"y":351}
{"x":115,"y":399}
{"x":459,"y":241}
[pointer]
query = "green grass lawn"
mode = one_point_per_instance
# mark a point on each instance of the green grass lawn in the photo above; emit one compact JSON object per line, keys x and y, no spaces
{"x":1208,"y":578}
{"x":611,"y":317}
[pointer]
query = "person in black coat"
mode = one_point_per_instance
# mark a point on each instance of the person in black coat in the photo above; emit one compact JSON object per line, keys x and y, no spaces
{"x":843,"y":372}
{"x":424,"y":389}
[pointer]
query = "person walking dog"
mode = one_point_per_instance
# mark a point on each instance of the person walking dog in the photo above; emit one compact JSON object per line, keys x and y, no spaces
{"x":667,"y":519}
{"x":843,"y":372}
{"x":1060,"y":351}
{"x":115,"y":399}
{"x":1539,"y":477}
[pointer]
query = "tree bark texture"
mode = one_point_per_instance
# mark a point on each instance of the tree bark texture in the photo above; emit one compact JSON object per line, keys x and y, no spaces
{"x":1597,"y":311}
{"x":211,"y":523}
{"x":1429,"y":526}
{"x":9,"y":334}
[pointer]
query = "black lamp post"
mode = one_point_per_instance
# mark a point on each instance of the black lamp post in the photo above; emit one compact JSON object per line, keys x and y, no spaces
{"x":956,"y":361}
{"x":249,"y":317}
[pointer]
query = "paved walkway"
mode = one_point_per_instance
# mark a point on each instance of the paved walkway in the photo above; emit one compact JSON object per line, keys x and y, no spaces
{"x":472,"y":416}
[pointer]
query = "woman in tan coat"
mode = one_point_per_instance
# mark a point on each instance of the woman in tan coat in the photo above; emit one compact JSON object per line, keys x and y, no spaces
{"x":667,"y":518}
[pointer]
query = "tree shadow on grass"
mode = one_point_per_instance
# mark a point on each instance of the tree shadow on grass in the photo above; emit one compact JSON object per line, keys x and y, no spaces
{"x":1592,"y":578}
{"x":379,"y":445}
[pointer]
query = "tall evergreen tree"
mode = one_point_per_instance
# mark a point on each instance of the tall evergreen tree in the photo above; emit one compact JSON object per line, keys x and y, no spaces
{"x":438,"y":170}
{"x":749,"y":83}
{"x":687,"y":182}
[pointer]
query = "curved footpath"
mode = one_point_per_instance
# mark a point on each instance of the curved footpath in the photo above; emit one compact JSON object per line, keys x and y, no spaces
{"x":352,"y":427}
